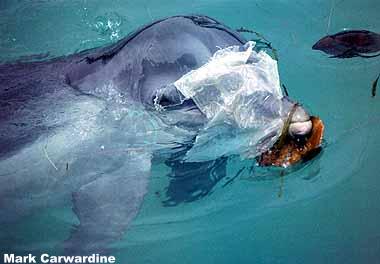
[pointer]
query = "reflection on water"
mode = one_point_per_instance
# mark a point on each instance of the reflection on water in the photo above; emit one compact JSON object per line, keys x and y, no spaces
{"x":323,"y":211}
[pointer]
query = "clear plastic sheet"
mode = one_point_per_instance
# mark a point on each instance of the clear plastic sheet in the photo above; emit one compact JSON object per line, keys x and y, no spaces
{"x":239,"y":92}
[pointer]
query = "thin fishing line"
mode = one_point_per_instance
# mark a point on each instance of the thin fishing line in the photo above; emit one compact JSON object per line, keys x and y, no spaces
{"x":329,"y":19}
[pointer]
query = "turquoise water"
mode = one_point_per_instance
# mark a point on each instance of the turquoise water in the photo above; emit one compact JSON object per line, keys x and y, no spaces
{"x":327,"y":211}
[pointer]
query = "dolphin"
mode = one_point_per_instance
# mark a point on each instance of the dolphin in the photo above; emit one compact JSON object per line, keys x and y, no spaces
{"x":84,"y":129}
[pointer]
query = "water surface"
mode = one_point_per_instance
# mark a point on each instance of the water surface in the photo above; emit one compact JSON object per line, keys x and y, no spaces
{"x":327,"y":211}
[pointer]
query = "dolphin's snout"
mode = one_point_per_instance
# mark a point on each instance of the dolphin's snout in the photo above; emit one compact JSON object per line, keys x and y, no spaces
{"x":300,"y":124}
{"x":300,"y":128}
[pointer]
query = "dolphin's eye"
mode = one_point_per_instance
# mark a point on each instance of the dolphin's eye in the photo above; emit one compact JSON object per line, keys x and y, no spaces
{"x":165,"y":101}
{"x":167,"y":97}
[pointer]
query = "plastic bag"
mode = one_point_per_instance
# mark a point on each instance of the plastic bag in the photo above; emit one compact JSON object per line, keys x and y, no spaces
{"x":239,"y":92}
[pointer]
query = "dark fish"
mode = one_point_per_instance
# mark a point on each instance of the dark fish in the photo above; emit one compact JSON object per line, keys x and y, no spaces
{"x":374,"y":85}
{"x":350,"y":43}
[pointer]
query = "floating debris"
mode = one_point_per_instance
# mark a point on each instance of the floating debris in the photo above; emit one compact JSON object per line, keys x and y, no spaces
{"x":262,"y":40}
{"x":285,"y":90}
{"x":229,"y":181}
{"x":374,"y":86}
{"x":287,"y":152}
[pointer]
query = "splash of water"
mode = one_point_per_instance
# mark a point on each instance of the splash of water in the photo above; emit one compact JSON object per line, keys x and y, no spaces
{"x":109,"y":25}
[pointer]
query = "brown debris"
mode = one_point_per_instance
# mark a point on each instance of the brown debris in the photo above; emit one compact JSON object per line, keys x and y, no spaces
{"x":292,"y":152}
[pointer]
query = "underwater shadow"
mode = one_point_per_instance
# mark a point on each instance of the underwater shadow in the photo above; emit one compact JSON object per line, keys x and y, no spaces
{"x":191,"y":181}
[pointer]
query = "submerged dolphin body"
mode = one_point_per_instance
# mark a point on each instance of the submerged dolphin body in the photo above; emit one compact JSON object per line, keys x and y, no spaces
{"x":84,"y":128}
{"x":350,"y":43}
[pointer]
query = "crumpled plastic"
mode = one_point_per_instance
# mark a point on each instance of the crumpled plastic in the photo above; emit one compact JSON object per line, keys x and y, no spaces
{"x":239,"y":92}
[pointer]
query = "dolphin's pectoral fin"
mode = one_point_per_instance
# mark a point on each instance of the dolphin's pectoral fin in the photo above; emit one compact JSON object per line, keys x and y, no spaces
{"x":191,"y":181}
{"x":106,"y":206}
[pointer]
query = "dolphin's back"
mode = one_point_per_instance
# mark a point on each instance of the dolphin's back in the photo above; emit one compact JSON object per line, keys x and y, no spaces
{"x":23,"y":89}
{"x":155,"y":55}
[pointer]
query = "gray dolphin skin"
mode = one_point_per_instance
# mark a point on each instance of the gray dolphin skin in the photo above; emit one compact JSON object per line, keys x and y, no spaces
{"x":68,"y":133}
